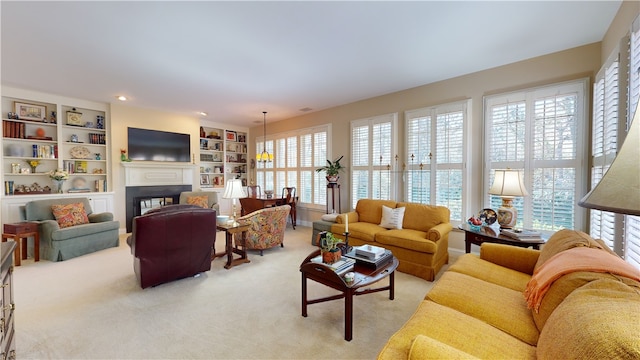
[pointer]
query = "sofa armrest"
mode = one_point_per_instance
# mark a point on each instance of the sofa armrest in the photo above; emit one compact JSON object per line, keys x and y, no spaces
{"x":353,"y":217}
{"x":100,"y":217}
{"x":439,"y":231}
{"x":512,"y":257}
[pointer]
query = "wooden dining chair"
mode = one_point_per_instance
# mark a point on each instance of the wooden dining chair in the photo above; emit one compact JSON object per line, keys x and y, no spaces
{"x":289,"y":196}
{"x":254,"y":191}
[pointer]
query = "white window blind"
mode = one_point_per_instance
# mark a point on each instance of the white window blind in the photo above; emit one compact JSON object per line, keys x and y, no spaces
{"x":296,"y":156}
{"x":436,"y":147}
{"x":604,"y":133}
{"x":540,"y":131}
{"x":372,"y":145}
{"x":632,"y":223}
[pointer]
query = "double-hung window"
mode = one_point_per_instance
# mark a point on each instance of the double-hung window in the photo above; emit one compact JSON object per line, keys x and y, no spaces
{"x":435,"y":156}
{"x":373,"y":141}
{"x":296,"y":155}
{"x":542,"y":133}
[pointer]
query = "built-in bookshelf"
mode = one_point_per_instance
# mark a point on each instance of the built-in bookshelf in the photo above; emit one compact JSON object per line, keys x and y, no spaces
{"x":223,"y":156}
{"x":40,"y":136}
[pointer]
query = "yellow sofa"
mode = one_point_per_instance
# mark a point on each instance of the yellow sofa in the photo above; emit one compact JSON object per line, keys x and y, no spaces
{"x":421,"y":246}
{"x":477,"y":309}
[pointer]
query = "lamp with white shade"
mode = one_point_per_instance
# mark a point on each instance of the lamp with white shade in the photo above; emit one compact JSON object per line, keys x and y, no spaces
{"x":234,"y":190}
{"x":507,"y":184}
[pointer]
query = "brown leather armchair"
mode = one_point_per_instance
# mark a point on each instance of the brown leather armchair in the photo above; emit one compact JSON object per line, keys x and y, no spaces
{"x":172,"y":242}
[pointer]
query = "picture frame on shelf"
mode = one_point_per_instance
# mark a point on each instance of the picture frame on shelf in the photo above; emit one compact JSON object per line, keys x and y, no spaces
{"x":30,"y":111}
{"x":242,"y":138}
{"x":204,"y":144}
{"x":232,"y":136}
{"x":204,"y":179}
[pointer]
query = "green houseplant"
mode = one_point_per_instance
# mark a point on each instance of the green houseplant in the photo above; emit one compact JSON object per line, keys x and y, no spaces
{"x":332,"y":169}
{"x":329,"y":248}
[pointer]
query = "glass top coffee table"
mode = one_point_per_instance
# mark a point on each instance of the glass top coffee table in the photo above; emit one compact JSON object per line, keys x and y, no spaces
{"x":364,"y":276}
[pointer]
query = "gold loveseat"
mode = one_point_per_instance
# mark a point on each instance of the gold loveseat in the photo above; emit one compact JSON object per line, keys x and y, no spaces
{"x":477,"y":309}
{"x":421,"y":245}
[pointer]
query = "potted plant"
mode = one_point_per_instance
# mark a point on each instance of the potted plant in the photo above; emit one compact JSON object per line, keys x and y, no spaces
{"x":332,"y":169}
{"x":329,"y":248}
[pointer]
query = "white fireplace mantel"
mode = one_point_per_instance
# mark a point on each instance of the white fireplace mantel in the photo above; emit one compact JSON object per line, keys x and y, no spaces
{"x":154,"y":173}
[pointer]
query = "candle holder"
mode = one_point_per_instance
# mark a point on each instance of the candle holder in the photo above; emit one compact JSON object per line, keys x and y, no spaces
{"x":347,"y":248}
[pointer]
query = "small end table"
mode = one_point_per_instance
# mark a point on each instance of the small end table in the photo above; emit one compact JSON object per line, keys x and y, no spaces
{"x":488,"y":235}
{"x":23,"y":231}
{"x":231,"y":229}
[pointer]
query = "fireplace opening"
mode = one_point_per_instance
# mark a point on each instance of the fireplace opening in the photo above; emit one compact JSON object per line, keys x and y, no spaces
{"x":140,"y":199}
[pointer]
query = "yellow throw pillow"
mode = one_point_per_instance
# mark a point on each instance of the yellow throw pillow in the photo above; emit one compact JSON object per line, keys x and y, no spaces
{"x":202,"y":201}
{"x":70,"y":214}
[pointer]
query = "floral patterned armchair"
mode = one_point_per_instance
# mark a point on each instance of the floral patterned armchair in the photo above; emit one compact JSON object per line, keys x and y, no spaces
{"x":267,"y":227}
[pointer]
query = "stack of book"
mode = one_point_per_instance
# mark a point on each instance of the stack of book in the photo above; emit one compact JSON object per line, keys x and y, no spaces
{"x":341,"y":266}
{"x":362,"y":256}
{"x":521,"y":234}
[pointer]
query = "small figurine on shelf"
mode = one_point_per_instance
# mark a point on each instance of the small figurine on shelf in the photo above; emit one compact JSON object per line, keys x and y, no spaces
{"x":98,"y":156}
{"x":54,"y":117}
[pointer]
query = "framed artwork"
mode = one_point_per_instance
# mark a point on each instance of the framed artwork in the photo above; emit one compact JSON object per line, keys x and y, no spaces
{"x":242,"y":138}
{"x":30,"y":111}
{"x":204,"y":179}
{"x":204,"y":144}
{"x":232,"y":136}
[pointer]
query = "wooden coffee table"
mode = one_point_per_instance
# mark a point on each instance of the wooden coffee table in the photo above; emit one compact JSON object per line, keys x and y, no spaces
{"x":363,"y":277}
{"x":489,"y":235}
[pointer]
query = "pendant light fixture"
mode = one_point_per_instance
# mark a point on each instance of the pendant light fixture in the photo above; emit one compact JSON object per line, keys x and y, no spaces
{"x":264,"y":157}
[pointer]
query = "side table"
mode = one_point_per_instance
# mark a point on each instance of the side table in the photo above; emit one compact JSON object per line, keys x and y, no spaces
{"x":488,"y":235}
{"x":20,"y":233}
{"x":230,"y":230}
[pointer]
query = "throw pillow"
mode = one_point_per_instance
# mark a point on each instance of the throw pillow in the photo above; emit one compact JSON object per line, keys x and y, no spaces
{"x":202,"y":201}
{"x":70,"y":214}
{"x":329,"y":217}
{"x":392,"y":218}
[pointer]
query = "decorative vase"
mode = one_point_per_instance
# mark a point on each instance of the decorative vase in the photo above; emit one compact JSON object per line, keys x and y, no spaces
{"x":57,"y":186}
{"x":330,"y":257}
{"x":33,"y":169}
{"x":123,"y":157}
{"x":332,"y":179}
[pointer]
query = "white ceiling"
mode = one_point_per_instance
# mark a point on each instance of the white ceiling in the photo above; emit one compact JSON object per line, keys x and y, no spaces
{"x":234,"y":60}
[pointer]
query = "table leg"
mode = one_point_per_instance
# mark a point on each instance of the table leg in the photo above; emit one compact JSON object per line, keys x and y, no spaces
{"x":348,"y":315}
{"x":467,"y":243}
{"x":36,"y":247}
{"x":392,"y":285}
{"x":229,"y":247}
{"x":24,"y":245}
{"x":304,"y":295}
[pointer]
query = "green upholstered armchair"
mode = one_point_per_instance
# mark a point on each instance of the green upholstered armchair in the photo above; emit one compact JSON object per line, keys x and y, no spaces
{"x":267,"y":227}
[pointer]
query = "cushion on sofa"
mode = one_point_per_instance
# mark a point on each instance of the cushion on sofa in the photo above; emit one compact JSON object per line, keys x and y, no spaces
{"x":496,"y":305}
{"x":564,"y":286}
{"x":201,"y":201}
{"x":454,"y":328}
{"x":600,"y":320}
{"x":392,"y":218}
{"x":564,"y":240}
{"x":423,"y":217}
{"x":513,"y":257}
{"x":406,"y":238}
{"x":68,"y":215}
{"x":360,"y":230}
{"x":471,"y":265}
{"x":370,"y":210}
{"x":424,"y":347}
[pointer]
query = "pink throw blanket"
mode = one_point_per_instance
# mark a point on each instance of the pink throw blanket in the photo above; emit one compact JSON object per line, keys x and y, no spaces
{"x":568,"y":261}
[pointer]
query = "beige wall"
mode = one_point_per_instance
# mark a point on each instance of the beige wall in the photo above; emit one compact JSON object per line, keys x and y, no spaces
{"x":566,"y":65}
{"x":123,"y":117}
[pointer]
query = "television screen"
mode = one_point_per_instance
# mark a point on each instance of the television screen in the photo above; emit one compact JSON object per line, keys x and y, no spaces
{"x":154,"y":145}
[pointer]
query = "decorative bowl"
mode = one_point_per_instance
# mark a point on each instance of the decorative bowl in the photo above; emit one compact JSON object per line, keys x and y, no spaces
{"x":222,"y":219}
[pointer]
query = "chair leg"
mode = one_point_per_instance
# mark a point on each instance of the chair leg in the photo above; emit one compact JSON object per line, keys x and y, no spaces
{"x":260,"y":252}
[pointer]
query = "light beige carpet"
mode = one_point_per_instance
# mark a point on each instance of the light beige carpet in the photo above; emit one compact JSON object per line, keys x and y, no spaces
{"x":91,"y":307}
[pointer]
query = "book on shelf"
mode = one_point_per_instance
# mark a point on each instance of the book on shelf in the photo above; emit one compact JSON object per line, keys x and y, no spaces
{"x":521,"y":234}
{"x":84,"y":190}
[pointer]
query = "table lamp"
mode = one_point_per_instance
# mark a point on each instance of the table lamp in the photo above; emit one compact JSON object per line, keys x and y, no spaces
{"x":507,"y":184}
{"x":234,"y":191}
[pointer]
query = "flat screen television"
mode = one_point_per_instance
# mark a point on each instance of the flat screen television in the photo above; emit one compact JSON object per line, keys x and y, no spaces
{"x":154,"y":145}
